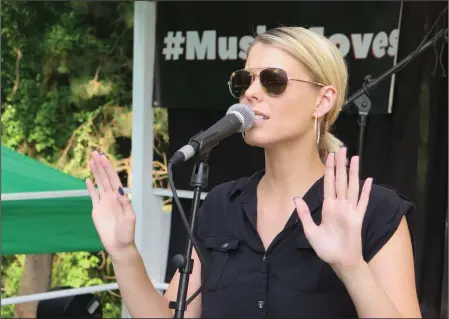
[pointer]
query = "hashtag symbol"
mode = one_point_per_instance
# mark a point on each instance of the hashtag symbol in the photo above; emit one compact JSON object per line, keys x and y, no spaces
{"x":173,"y":45}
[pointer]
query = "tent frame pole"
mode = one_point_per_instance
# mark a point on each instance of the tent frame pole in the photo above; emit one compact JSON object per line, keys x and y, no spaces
{"x":152,"y":224}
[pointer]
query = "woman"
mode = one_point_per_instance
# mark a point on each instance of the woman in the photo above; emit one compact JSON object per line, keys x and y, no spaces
{"x":345,"y":251}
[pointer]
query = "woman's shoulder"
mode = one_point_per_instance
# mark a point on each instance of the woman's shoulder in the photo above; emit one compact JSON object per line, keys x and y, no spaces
{"x":217,"y":212}
{"x":229,"y":190}
{"x":387,"y":202}
{"x":221,"y":204}
{"x":386,"y":209}
{"x":382,"y":193}
{"x":223,"y":191}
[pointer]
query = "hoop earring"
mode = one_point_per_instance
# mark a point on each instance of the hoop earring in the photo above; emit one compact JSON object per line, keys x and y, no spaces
{"x":317,"y":131}
{"x":243,"y":135}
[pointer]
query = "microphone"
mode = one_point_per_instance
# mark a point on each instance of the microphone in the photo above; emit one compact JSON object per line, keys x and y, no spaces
{"x":238,"y":118}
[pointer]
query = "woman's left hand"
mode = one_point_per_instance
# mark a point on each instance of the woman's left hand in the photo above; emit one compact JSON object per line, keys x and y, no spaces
{"x":338,"y":240}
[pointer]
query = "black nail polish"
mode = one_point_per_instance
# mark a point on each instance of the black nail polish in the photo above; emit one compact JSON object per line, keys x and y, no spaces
{"x":120,"y":191}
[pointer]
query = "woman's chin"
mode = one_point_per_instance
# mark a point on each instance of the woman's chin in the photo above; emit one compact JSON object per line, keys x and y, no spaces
{"x":258,"y":139}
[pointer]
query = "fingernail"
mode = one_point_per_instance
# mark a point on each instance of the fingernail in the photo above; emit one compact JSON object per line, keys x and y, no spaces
{"x":120,"y":191}
{"x":104,"y":154}
{"x":97,"y":150}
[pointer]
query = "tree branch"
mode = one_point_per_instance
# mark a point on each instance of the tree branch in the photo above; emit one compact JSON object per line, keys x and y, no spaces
{"x":16,"y":82}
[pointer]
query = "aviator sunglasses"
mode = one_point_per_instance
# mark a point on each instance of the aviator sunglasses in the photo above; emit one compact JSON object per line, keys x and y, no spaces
{"x":273,"y":81}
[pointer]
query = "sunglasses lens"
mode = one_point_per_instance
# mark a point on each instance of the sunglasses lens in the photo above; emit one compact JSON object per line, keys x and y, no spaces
{"x":239,"y":82}
{"x":274,"y":81}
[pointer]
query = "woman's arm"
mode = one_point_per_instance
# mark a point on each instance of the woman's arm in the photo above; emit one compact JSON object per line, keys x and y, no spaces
{"x":141,"y":297}
{"x":352,"y":231}
{"x":114,"y":219}
{"x":194,"y":308}
{"x":385,"y":287}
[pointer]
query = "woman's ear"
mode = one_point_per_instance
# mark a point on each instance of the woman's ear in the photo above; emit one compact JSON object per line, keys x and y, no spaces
{"x":325,"y":101}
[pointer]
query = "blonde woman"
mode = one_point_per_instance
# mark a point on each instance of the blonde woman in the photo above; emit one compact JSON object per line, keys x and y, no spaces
{"x":302,"y":238}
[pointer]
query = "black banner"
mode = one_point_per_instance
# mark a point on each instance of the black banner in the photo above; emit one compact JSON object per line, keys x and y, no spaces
{"x":199,"y":44}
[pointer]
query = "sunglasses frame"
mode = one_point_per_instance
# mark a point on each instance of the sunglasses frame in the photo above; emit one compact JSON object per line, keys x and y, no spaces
{"x":254,"y":75}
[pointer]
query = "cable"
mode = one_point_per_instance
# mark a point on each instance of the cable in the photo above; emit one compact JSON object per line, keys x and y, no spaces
{"x":189,"y":232}
{"x":431,"y":28}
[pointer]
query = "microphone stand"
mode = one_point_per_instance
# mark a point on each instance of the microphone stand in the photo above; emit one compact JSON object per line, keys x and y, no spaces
{"x":184,"y":263}
{"x":361,"y":97}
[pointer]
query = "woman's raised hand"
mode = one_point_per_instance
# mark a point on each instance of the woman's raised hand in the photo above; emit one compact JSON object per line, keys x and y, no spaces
{"x":112,"y":212}
{"x":338,"y":239}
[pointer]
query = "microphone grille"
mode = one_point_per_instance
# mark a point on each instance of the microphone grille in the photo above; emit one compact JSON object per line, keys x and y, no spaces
{"x":244,"y":113}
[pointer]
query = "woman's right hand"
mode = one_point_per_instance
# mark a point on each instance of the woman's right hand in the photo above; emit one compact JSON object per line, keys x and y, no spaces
{"x":112,"y":212}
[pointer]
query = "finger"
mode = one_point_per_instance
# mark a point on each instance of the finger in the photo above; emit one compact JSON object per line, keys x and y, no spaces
{"x":353,"y":189}
{"x":110,"y":171}
{"x":304,"y":215}
{"x":105,"y":184}
{"x":328,"y":211}
{"x":96,"y":174}
{"x":117,"y":185}
{"x":125,"y":203}
{"x":340,"y":175}
{"x":364,"y":196}
{"x":92,"y":192}
{"x":329,"y":177}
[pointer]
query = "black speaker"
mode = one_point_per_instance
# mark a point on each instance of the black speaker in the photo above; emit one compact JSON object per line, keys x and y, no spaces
{"x":80,"y":306}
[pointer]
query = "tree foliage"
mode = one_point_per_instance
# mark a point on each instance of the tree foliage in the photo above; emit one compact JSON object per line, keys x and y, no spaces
{"x":63,"y":63}
{"x":67,"y":89}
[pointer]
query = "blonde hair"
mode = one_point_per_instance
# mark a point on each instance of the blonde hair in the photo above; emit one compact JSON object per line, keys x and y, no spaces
{"x":325,"y":65}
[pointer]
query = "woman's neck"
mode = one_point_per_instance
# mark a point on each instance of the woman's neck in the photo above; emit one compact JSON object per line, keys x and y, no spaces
{"x":291,"y":168}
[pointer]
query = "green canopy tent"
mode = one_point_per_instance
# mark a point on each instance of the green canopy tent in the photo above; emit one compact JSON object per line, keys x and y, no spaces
{"x":49,"y":225}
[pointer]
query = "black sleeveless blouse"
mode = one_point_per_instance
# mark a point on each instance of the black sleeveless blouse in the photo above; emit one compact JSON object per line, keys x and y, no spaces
{"x":288,"y":280}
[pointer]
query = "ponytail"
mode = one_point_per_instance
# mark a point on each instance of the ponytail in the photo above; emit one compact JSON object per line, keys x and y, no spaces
{"x":328,"y":144}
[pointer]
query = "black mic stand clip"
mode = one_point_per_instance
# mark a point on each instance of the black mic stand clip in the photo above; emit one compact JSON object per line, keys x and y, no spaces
{"x":363,"y":104}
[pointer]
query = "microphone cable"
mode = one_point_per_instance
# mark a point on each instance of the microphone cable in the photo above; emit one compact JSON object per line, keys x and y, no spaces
{"x":244,"y":118}
{"x":189,"y":232}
